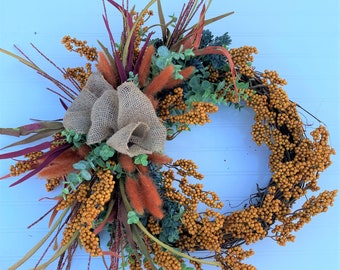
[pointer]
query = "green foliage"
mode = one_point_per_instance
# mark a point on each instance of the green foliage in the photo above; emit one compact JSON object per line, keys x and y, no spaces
{"x":132,"y":217}
{"x":208,"y":39}
{"x":133,"y":78}
{"x":97,"y":158}
{"x":171,"y":221}
{"x":165,"y":57}
{"x":200,"y":89}
{"x":174,"y":211}
{"x":141,"y":159}
{"x":73,"y":137}
{"x":185,"y":267}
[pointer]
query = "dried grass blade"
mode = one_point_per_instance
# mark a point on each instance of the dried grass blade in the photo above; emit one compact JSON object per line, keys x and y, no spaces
{"x":131,"y":33}
{"x":31,"y":252}
{"x":40,"y":135}
{"x":162,"y":20}
{"x":141,"y":245}
{"x":22,"y":60}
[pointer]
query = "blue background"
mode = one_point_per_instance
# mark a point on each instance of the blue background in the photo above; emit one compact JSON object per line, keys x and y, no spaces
{"x":299,"y":39}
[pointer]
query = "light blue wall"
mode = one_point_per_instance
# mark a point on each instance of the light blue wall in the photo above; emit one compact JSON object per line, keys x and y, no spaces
{"x":299,"y":39}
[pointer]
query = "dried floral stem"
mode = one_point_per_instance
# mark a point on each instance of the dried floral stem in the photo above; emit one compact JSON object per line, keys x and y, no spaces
{"x":59,"y":252}
{"x":40,"y":243}
{"x":153,"y":238}
{"x":129,"y":37}
{"x":22,"y":60}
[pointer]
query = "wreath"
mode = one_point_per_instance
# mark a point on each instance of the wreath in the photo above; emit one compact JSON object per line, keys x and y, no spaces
{"x":107,"y":153}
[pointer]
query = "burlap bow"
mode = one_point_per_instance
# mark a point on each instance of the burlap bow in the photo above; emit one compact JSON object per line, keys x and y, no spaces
{"x":124,"y":118}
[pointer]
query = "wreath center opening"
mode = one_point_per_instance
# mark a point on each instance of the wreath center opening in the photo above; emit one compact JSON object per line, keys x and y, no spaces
{"x":231,"y":162}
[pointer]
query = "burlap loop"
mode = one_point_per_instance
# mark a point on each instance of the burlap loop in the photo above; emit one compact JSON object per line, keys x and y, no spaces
{"x":125,"y":117}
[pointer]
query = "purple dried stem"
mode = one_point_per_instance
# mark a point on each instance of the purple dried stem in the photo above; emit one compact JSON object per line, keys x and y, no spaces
{"x":58,"y":94}
{"x":184,"y":19}
{"x":24,"y":55}
{"x":25,"y":151}
{"x":107,"y":25}
{"x":42,"y":217}
{"x":74,"y":83}
{"x":50,"y":156}
{"x":67,"y":90}
{"x":63,"y":72}
{"x":63,"y":104}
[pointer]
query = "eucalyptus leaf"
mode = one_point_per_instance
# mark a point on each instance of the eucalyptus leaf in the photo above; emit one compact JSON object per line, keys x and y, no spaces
{"x":132,"y":217}
{"x":86,"y":175}
{"x":73,"y":177}
{"x":163,"y":51}
{"x":141,"y":159}
{"x":81,"y":165}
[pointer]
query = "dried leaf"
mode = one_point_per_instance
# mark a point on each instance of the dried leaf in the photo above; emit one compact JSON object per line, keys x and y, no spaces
{"x":25,"y":151}
{"x":41,"y":135}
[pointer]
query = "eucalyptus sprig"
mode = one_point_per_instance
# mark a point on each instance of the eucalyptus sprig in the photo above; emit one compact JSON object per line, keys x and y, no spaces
{"x":165,"y":57}
{"x":99,"y":157}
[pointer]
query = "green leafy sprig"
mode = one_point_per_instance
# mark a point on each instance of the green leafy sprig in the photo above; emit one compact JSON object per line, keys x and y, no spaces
{"x":165,"y":57}
{"x":99,"y":157}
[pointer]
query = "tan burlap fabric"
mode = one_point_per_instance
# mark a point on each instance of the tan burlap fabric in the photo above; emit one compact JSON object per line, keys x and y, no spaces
{"x":124,"y":118}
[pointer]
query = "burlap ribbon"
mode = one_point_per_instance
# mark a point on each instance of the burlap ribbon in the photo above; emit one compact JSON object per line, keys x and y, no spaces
{"x":124,"y":118}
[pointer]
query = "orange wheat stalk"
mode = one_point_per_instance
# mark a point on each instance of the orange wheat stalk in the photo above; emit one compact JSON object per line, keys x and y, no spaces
{"x":152,"y":201}
{"x":159,"y":158}
{"x":63,"y":164}
{"x":145,"y":65}
{"x":127,"y":163}
{"x":142,"y":169}
{"x":107,"y":70}
{"x":133,"y":192}
{"x":186,"y":73}
{"x":158,"y":83}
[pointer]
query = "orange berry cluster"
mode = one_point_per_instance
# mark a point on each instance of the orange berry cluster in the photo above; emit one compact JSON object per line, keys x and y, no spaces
{"x":58,"y":140}
{"x":198,"y":266}
{"x":165,"y":259}
{"x":171,"y":101}
{"x":80,"y":74}
{"x":234,"y":258}
{"x":245,"y":224}
{"x":272,"y":77}
{"x":213,"y":74}
{"x":295,"y":163}
{"x":80,"y":195}
{"x":52,"y":183}
{"x":198,"y":230}
{"x":135,"y":263}
{"x":189,"y":195}
{"x":295,"y":221}
{"x":202,"y":231}
{"x":197,"y":114}
{"x":90,"y":203}
{"x":154,"y":226}
{"x":242,"y":58}
{"x":81,"y":47}
{"x":23,"y":166}
{"x":139,"y":31}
